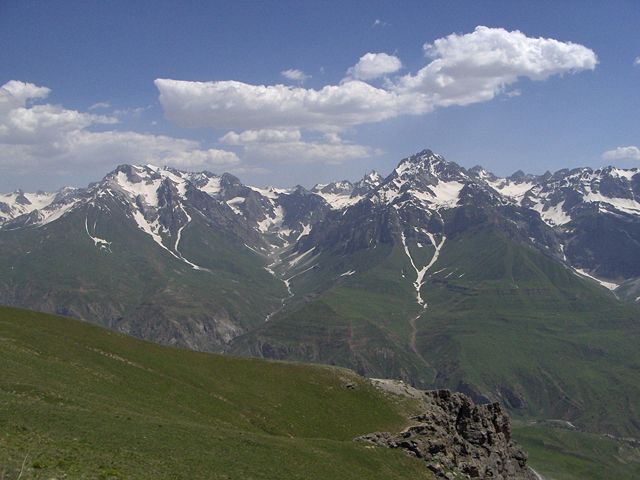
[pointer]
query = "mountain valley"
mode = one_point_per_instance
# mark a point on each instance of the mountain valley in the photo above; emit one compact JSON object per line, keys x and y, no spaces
{"x":521,"y":290}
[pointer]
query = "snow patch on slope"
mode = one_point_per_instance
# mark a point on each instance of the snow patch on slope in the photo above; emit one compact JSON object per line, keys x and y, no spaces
{"x":626,"y":205}
{"x":233,"y":204}
{"x":513,"y":190}
{"x":212,"y":187}
{"x":445,"y":194}
{"x":421,"y":272}
{"x":306,"y":229}
{"x":179,"y":237}
{"x":338,"y":201}
{"x":610,"y":285}
{"x":274,"y":222}
{"x":146,"y":189}
{"x":554,"y":215}
{"x":298,"y":258}
{"x":153,"y":230}
{"x":271,"y":193}
{"x":98,"y":242}
{"x":53,"y":212}
{"x":150,"y":228}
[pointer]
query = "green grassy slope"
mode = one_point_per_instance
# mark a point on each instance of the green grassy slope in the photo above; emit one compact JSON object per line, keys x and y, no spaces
{"x":138,"y":287}
{"x":84,"y":402}
{"x":359,"y":321}
{"x":509,"y":321}
{"x":562,"y":454}
{"x":503,"y":320}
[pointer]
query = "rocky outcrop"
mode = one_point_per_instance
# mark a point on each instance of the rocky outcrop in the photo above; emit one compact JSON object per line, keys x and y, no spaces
{"x":458,"y":439}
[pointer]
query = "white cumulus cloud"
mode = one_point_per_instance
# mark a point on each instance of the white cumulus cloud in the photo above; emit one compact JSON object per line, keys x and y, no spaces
{"x":462,"y":69}
{"x":477,"y":66}
{"x":15,"y":94}
{"x":33,"y":135}
{"x":637,"y":61}
{"x":374,"y":65}
{"x":233,"y":105}
{"x":622,"y":153}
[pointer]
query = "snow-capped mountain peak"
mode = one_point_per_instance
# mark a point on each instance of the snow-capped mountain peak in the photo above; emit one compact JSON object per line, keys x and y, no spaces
{"x":342,"y":187}
{"x":163,"y":202}
{"x":16,"y":204}
{"x":372,"y":178}
{"x":368,"y":183}
{"x":344,"y":193}
{"x":423,"y":162}
{"x":426,"y":179}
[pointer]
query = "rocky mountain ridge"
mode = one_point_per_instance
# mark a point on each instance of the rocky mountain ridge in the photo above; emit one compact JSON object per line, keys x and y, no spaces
{"x":455,"y":437}
{"x":588,"y":220}
{"x":575,"y":204}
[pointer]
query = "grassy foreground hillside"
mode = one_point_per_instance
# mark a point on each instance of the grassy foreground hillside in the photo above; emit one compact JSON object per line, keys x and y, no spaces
{"x":77,"y":401}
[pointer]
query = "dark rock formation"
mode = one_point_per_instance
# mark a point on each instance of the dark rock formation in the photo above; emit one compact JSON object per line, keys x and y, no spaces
{"x":458,"y":439}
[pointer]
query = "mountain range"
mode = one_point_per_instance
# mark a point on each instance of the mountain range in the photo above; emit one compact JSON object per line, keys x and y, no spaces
{"x":520,"y":289}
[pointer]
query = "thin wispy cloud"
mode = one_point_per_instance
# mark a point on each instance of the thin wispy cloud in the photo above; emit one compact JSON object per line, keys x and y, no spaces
{"x":295,"y":75}
{"x":260,"y":136}
{"x":288,"y":146}
{"x":323,"y":151}
{"x":100,"y":106}
{"x":622,"y":153}
{"x":132,"y":112}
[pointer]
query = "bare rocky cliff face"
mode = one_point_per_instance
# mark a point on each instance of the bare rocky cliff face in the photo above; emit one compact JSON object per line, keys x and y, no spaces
{"x":455,"y":437}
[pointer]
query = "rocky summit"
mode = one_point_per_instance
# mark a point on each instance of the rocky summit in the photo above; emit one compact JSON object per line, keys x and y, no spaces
{"x":458,"y":439}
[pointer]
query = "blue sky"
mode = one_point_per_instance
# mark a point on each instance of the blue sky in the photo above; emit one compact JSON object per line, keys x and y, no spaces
{"x":81,"y":90}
